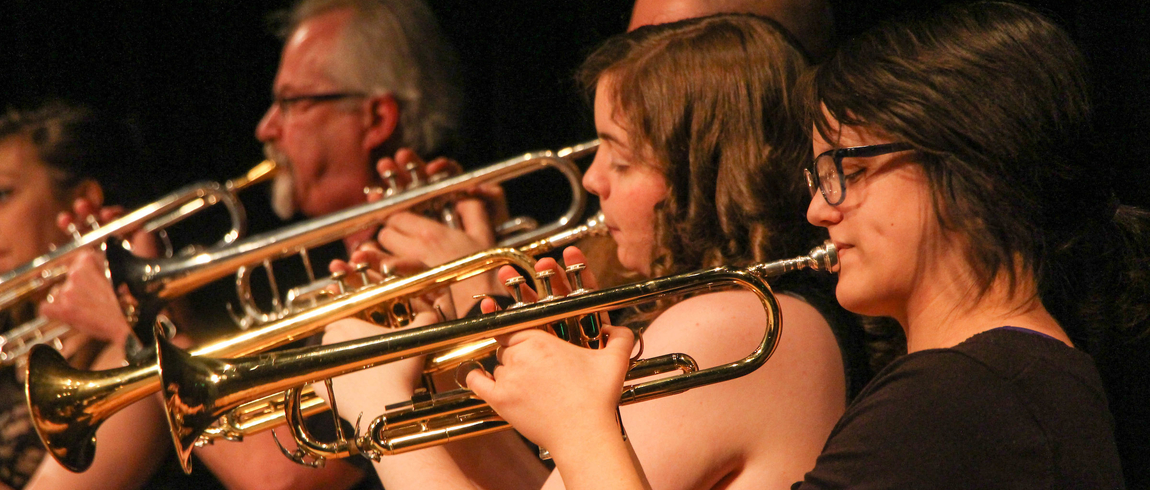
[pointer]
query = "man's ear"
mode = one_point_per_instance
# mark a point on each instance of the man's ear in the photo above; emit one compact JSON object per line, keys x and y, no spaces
{"x":384,"y":114}
{"x":91,"y":190}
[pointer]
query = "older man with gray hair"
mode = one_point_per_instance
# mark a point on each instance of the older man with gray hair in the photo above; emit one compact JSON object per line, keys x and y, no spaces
{"x":357,"y":80}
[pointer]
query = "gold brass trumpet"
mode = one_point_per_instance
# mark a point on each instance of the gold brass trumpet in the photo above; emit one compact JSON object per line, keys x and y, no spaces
{"x":35,"y":277}
{"x":68,"y":405}
{"x":198,"y":390}
{"x":268,"y":412}
{"x":153,"y":282}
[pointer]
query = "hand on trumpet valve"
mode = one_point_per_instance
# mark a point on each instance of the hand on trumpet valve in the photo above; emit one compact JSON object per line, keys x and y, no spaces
{"x":448,"y":230}
{"x":561,"y":278}
{"x":365,"y":393}
{"x":407,"y":170}
{"x":358,"y":272}
{"x":87,"y":216}
{"x":87,"y":302}
{"x":542,"y":382}
{"x":383,"y":265}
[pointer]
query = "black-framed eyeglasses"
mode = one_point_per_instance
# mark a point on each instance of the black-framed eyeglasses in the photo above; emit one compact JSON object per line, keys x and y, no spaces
{"x":284,"y":103}
{"x":826,"y":171}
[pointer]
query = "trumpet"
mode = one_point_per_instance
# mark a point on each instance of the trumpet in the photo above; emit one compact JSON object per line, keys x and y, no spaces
{"x":68,"y":405}
{"x":198,"y":390}
{"x":153,"y":282}
{"x":35,"y":277}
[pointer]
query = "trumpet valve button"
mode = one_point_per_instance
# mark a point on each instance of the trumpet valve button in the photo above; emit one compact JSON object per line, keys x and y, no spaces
{"x":388,"y":274}
{"x":392,"y":183}
{"x":75,"y":232}
{"x":575,"y":277}
{"x":361,"y":269}
{"x":93,"y":223}
{"x":340,"y":279}
{"x":545,"y":277}
{"x":413,"y":171}
{"x":513,"y":286}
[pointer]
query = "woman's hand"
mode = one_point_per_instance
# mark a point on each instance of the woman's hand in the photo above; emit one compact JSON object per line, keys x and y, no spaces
{"x":540,"y":376}
{"x":559,"y":284}
{"x":83,"y":211}
{"x":365,"y":393}
{"x":555,"y":393}
{"x":86,"y":301}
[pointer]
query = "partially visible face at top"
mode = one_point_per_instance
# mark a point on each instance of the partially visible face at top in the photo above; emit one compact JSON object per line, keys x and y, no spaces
{"x":892,"y":252}
{"x":628,"y":187}
{"x":323,"y":141}
{"x":29,"y":204}
{"x":652,"y":12}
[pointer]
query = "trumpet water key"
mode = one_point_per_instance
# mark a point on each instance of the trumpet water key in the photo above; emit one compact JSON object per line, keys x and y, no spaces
{"x":198,"y":390}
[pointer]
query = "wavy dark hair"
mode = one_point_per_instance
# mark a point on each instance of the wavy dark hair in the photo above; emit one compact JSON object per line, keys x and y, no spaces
{"x":995,"y":99}
{"x":709,"y":101}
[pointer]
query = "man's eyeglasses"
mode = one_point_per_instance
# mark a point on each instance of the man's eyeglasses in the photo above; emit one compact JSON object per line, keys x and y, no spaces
{"x":284,"y":103}
{"x":826,"y":172}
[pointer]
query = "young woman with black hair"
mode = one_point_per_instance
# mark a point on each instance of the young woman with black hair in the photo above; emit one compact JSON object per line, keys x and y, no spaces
{"x":954,"y":172}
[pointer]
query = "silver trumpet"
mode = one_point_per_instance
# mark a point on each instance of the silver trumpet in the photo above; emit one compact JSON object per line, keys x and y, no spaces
{"x":32,"y":279}
{"x":199,"y":389}
{"x":153,"y":282}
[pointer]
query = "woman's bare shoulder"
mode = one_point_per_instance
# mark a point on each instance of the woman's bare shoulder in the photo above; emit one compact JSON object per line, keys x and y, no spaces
{"x":719,"y":323}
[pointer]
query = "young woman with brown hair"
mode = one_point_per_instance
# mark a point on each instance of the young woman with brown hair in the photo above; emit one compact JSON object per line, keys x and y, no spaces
{"x":699,"y":165}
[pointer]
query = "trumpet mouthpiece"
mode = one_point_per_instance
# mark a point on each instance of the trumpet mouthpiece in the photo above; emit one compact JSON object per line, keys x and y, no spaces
{"x":824,"y":258}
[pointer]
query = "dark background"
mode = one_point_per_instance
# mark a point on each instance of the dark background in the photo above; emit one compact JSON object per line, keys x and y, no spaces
{"x":196,"y":76}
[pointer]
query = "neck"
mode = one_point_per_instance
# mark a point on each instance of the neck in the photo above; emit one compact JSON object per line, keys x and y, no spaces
{"x":954,"y":312}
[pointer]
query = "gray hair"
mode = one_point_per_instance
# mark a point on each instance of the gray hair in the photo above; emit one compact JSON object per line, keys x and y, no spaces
{"x":395,"y":46}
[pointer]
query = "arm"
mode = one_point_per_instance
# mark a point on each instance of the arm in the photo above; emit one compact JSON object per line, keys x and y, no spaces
{"x":256,"y":463}
{"x":133,"y":441}
{"x":498,"y":460}
{"x":764,"y":429}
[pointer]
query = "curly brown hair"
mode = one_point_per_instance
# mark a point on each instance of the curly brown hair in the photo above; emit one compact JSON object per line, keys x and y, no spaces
{"x":709,"y":102}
